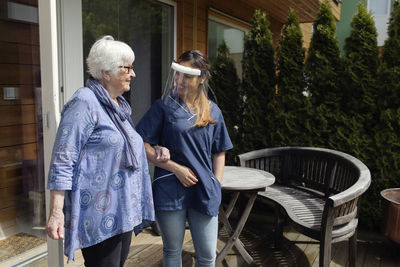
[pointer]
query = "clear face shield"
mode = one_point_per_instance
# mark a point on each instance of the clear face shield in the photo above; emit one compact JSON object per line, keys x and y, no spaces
{"x":184,"y":86}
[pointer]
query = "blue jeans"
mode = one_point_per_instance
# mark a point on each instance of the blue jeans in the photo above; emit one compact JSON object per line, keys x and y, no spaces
{"x":204,"y":230}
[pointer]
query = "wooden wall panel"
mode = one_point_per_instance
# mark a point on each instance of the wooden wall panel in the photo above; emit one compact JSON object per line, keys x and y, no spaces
{"x":7,"y":217}
{"x":189,"y":32}
{"x":201,"y":47}
{"x":17,"y":135}
{"x":16,"y":154}
{"x":26,"y":95}
{"x":10,"y":175}
{"x":19,"y":53}
{"x":18,"y":74}
{"x":235,"y":8}
{"x":336,"y":10}
{"x":306,"y":29}
{"x":10,"y":190}
{"x":17,"y":114}
{"x":21,"y":33}
{"x":9,"y":196}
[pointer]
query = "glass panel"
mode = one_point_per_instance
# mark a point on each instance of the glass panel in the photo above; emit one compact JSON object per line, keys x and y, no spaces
{"x":147,"y":26}
{"x":22,"y":200}
{"x":234,"y":39}
{"x":379,"y":7}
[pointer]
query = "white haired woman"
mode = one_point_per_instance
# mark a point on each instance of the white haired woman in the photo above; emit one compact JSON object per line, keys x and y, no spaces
{"x":99,"y":176}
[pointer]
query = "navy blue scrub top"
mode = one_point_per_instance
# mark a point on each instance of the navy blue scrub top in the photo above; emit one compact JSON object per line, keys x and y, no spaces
{"x":169,"y":125}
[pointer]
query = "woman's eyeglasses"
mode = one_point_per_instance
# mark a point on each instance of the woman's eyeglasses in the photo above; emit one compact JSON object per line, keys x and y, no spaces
{"x":127,"y":69}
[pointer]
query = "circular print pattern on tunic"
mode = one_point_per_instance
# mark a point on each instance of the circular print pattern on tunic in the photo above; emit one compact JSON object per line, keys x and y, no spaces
{"x":114,"y":140}
{"x":85,"y":199}
{"x":102,"y":201}
{"x":134,"y":200}
{"x":108,"y":224}
{"x":117,"y":181}
{"x":87,"y":224}
{"x":95,"y":136}
{"x":95,"y":116}
{"x":99,"y":178}
{"x":64,"y":154}
{"x":65,"y":131}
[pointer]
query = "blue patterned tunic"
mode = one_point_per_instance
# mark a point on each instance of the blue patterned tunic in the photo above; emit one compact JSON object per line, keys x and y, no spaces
{"x":102,"y":197}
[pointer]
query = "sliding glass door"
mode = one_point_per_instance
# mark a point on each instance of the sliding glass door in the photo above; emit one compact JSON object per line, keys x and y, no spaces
{"x":148,"y":27}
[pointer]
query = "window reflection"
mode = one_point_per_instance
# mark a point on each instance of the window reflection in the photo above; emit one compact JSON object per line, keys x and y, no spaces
{"x":234,"y":39}
{"x":147,"y":26}
{"x":22,"y":200}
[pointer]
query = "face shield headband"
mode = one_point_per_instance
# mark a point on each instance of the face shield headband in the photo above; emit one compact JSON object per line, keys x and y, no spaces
{"x":183,"y":87}
{"x":182,"y":82}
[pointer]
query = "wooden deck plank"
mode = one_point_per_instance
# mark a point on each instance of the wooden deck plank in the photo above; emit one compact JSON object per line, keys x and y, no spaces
{"x":312,"y":252}
{"x":340,"y":254}
{"x":372,"y":259}
{"x":362,"y":249}
{"x":257,"y":236}
{"x":301,"y":244}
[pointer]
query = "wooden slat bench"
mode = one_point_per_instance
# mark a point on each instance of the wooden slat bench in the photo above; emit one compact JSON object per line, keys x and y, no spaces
{"x":316,"y":190}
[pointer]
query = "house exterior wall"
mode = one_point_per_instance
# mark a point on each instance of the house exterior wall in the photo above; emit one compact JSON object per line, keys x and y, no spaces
{"x":193,"y":19}
{"x":349,"y":8}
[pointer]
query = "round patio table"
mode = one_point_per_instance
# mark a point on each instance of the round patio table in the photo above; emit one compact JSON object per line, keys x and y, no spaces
{"x":240,"y":180}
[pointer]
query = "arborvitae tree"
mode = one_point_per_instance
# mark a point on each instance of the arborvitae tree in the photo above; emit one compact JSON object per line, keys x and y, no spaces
{"x":361,"y":65}
{"x":323,"y":70}
{"x":258,"y":84}
{"x":226,"y":85}
{"x":359,"y":87}
{"x":360,"y":93}
{"x":291,"y":85}
{"x":387,"y":129}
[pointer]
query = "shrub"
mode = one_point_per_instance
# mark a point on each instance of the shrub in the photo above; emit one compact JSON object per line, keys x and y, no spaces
{"x":226,"y":85}
{"x":323,"y":72}
{"x":360,"y":93}
{"x":291,"y":103}
{"x":258,"y":84}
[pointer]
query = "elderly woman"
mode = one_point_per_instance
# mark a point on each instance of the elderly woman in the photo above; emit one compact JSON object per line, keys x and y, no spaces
{"x":99,"y":176}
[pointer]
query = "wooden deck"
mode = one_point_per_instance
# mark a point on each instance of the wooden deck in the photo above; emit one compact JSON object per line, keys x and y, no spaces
{"x":373,"y":249}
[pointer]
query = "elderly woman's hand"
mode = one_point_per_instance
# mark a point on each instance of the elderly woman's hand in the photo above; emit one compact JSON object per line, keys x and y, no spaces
{"x":55,"y":225}
{"x":162,"y":153}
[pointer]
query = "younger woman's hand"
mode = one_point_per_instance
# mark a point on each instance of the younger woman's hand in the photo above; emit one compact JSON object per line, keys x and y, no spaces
{"x":186,"y":176}
{"x":162,"y":153}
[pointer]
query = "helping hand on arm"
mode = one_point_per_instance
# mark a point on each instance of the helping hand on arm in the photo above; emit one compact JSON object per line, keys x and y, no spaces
{"x":162,"y":153}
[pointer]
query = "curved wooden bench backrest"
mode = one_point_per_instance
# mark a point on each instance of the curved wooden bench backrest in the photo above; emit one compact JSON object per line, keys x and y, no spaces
{"x":339,"y":177}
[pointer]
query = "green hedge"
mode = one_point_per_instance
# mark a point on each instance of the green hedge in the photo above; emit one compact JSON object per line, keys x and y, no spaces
{"x":351,"y":104}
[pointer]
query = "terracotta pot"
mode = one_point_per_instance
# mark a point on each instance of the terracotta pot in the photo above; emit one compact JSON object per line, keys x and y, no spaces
{"x":391,"y":213}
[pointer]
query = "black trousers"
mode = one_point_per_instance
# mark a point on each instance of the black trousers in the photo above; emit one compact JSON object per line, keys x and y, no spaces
{"x":111,"y":252}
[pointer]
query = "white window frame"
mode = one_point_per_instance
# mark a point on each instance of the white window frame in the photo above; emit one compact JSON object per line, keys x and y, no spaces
{"x":174,"y":5}
{"x":49,"y":67}
{"x":228,"y":23}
